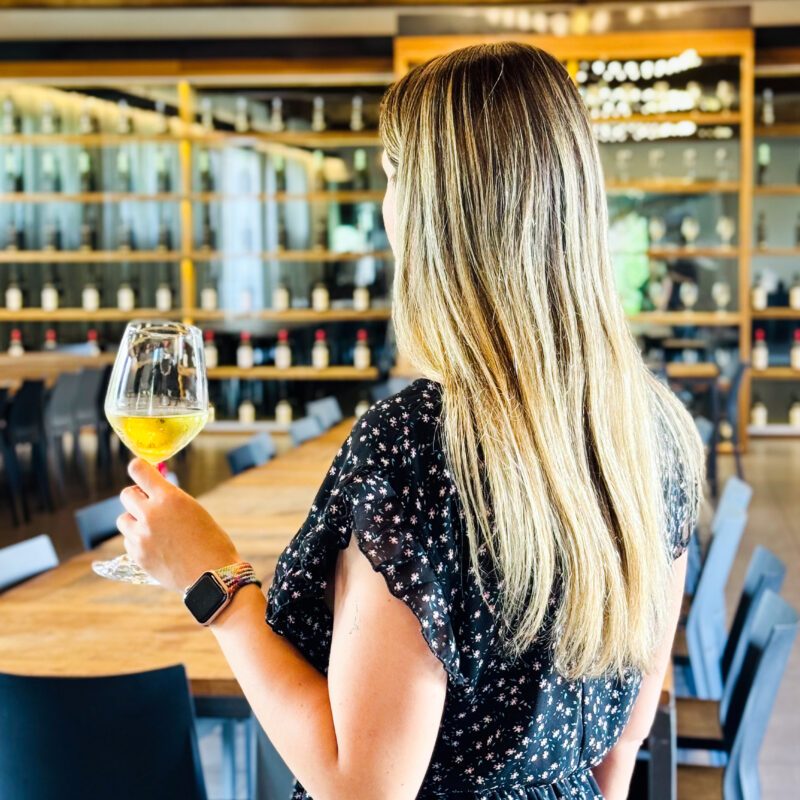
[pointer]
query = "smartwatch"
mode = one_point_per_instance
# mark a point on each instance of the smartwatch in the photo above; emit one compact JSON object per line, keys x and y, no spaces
{"x":208,"y":596}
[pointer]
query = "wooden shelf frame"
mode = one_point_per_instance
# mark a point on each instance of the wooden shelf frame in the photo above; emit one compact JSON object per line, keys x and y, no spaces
{"x":299,"y":373}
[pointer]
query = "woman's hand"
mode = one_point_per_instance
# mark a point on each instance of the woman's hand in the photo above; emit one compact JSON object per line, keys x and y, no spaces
{"x":168,"y":533}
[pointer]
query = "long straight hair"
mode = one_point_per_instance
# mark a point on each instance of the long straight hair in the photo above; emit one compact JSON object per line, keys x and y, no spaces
{"x":558,"y":436}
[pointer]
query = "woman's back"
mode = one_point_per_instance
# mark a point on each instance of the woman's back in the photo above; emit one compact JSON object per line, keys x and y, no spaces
{"x":510,"y":729}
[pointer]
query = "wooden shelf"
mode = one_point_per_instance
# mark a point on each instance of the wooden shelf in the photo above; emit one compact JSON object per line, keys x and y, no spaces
{"x":777,"y":189}
{"x":79,"y":315}
{"x":681,"y":370}
{"x":345,"y":196}
{"x":701,"y":318}
{"x":776,"y":374}
{"x":777,"y":313}
{"x":776,"y":251}
{"x":87,"y":139}
{"x":293,"y":315}
{"x":779,"y":130}
{"x":672,"y":186}
{"x":367,"y":138}
{"x":702,"y":251}
{"x":698,"y":117}
{"x":774,"y":429}
{"x":87,"y":197}
{"x":85,"y":256}
{"x":288,"y":255}
{"x":301,"y":373}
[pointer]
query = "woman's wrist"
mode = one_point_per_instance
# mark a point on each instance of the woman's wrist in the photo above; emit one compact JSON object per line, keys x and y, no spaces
{"x":240,"y":610}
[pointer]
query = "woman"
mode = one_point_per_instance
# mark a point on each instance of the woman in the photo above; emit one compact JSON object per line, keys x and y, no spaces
{"x":504,"y":538}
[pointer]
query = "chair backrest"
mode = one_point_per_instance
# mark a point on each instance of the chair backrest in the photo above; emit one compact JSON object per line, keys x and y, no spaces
{"x":24,"y":560}
{"x":123,"y":736}
{"x":87,"y":407}
{"x":26,"y":414}
{"x":98,"y":522}
{"x":380,"y":391}
{"x":706,"y":622}
{"x":59,"y":415}
{"x":765,"y":571}
{"x":258,"y":450}
{"x":771,"y":638}
{"x":305,"y":428}
{"x":735,"y":499}
{"x":705,"y":427}
{"x":327,"y":410}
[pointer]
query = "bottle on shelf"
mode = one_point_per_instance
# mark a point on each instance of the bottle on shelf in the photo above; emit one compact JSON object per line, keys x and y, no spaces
{"x":90,"y":294}
{"x":760,"y":355}
{"x":208,"y":238}
{"x":164,"y":242}
{"x":281,"y":297}
{"x":361,"y":298}
{"x":88,"y":233}
{"x":15,"y":347}
{"x":209,"y":297}
{"x":14,"y":296}
{"x":93,"y":345}
{"x":164,"y":291}
{"x":126,"y":294}
{"x":360,"y":170}
{"x":13,"y":170}
{"x":722,"y":165}
{"x":15,"y":237}
{"x":362,"y":406}
{"x":50,"y":294}
{"x":10,"y":119}
{"x":163,"y":177}
{"x":357,"y":113}
{"x":52,"y":236}
{"x":125,"y":243}
{"x":207,"y":114}
{"x":794,"y":353}
{"x":690,"y":163}
{"x":321,"y":230}
{"x":794,"y":411}
{"x":88,"y":183}
{"x":318,"y":171}
{"x":50,"y":340}
{"x":763,"y":156}
{"x":320,"y":297}
{"x":768,"y":107}
{"x":797,"y":231}
{"x":204,"y":168}
{"x":51,"y":178}
{"x":244,"y":352}
{"x":320,"y":352}
{"x":124,"y":176}
{"x":279,"y":165}
{"x":361,"y":352}
{"x":758,"y":294}
{"x":241,"y":120}
{"x":794,"y":292}
{"x":210,"y":348}
{"x":283,"y":412}
{"x":50,"y":120}
{"x":758,"y":413}
{"x":281,"y":234}
{"x":87,"y":121}
{"x":276,"y":123}
{"x":246,"y":411}
{"x":124,"y":118}
{"x":318,"y":123}
{"x":761,"y":230}
{"x":162,"y":123}
{"x":283,"y":350}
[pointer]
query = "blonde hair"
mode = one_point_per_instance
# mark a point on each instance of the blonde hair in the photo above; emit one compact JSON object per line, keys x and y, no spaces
{"x":557,"y":435}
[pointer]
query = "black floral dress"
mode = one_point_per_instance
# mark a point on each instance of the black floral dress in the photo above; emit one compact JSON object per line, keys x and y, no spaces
{"x":509,"y":730}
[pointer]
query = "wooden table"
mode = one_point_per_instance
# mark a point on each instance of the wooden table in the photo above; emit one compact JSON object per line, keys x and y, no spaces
{"x":69,"y":622}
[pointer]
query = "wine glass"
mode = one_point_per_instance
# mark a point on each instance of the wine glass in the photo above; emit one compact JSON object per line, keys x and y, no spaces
{"x":157,"y":402}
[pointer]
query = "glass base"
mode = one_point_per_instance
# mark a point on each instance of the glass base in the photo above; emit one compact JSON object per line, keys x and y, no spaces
{"x":123,"y":569}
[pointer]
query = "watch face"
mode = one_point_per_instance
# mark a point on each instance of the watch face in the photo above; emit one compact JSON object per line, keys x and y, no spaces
{"x":204,"y":598}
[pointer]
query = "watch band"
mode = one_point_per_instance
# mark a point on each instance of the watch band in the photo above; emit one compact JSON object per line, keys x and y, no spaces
{"x":234,"y":576}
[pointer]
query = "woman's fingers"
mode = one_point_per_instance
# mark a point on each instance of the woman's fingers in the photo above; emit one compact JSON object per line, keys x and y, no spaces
{"x":147,"y":476}
{"x":133,"y":501}
{"x":125,"y":524}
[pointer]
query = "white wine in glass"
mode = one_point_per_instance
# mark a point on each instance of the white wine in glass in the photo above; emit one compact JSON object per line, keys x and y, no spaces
{"x":157,"y":402}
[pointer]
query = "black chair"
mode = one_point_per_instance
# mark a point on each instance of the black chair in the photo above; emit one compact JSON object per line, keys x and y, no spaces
{"x":732,"y":413}
{"x":10,"y":463}
{"x":98,"y":522}
{"x":126,"y":736}
{"x":60,"y":421}
{"x":25,"y":426}
{"x":89,"y":405}
{"x":24,"y":560}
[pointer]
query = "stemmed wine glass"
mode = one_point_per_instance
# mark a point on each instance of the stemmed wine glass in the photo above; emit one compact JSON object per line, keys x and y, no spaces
{"x":157,"y":402}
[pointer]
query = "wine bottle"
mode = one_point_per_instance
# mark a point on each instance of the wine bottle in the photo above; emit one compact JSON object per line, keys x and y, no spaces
{"x":320,"y":353}
{"x":244,"y":352}
{"x":357,"y":114}
{"x":760,"y":354}
{"x":207,"y":114}
{"x":209,"y":298}
{"x":124,"y":119}
{"x":768,"y":107}
{"x":321,"y":231}
{"x":361,"y":298}
{"x":163,"y":178}
{"x":164,"y":243}
{"x":90,"y":295}
{"x":88,"y":233}
{"x":797,"y":231}
{"x":318,"y":171}
{"x":162,"y":123}
{"x":86,"y":171}
{"x":279,"y":165}
{"x":320,"y":297}
{"x":361,"y":352}
{"x":208,"y":240}
{"x":50,"y":340}
{"x":276,"y":123}
{"x":794,"y":353}
{"x":282,"y":242}
{"x":283,"y":412}
{"x":246,"y":411}
{"x":93,"y":345}
{"x":281,"y":297}
{"x":360,"y":172}
{"x":87,"y":122}
{"x":125,"y":243}
{"x":758,"y":413}
{"x":763,"y":157}
{"x":11,"y":121}
{"x":164,"y":291}
{"x":283,"y":350}
{"x":126,"y":294}
{"x":124,"y":179}
{"x":241,"y":121}
{"x":15,"y":298}
{"x":50,"y":294}
{"x":761,"y":230}
{"x":15,"y":347}
{"x":758,"y":295}
{"x":15,"y":237}
{"x":210,"y":348}
{"x":13,"y":170}
{"x":206,"y":176}
{"x":51,"y":179}
{"x":794,"y":412}
{"x":318,"y":123}
{"x":794,"y":292}
{"x":52,"y":236}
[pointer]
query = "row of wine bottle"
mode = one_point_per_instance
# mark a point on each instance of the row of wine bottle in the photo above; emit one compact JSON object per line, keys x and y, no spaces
{"x":759,"y":414}
{"x":760,"y":356}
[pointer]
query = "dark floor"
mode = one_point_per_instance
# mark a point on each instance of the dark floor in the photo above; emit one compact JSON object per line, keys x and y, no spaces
{"x":771,"y":466}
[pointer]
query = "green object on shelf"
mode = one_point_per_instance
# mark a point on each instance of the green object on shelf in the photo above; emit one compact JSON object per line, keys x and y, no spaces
{"x":628,"y":243}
